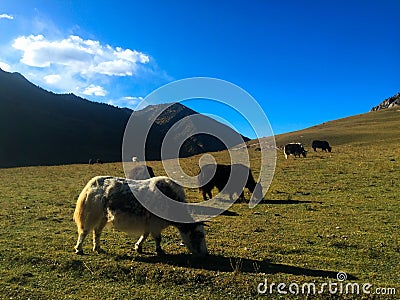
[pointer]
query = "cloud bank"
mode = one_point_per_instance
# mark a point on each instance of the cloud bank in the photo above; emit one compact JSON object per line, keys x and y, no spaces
{"x":77,"y":65}
{"x":84,"y":57}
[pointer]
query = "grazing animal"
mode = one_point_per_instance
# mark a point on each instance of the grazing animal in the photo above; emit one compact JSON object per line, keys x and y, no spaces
{"x":324,"y":145}
{"x":141,"y":172}
{"x":207,"y":181}
{"x":295,"y":149}
{"x":107,"y":199}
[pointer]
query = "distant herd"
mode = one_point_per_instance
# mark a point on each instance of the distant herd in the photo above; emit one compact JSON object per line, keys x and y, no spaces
{"x":110,"y":200}
{"x":297,"y":149}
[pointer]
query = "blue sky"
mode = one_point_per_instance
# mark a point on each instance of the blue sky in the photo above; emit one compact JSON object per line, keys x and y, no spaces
{"x":305,"y":62}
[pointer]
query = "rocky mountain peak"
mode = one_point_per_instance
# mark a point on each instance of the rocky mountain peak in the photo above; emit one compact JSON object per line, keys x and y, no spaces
{"x":388,"y":103}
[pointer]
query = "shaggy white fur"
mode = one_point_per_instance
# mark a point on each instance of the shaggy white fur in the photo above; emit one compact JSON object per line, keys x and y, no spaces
{"x":107,"y":199}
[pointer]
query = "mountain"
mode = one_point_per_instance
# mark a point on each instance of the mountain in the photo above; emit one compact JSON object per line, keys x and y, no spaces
{"x":42,"y":128}
{"x":186,"y":127}
{"x":38,"y":127}
{"x":389,"y":102}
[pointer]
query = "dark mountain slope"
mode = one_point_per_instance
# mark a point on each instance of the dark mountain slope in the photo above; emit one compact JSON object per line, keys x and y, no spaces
{"x":38,"y":127}
{"x":190,"y":123}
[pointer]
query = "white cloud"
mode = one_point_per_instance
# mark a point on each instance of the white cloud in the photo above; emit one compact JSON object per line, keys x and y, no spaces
{"x":6,"y":16}
{"x":79,"y":56}
{"x":85,"y":67}
{"x":52,"y":79}
{"x":95,"y":90}
{"x":5,"y":67}
{"x":131,"y":102}
{"x":116,"y":67}
{"x":130,"y":98}
{"x":132,"y":56}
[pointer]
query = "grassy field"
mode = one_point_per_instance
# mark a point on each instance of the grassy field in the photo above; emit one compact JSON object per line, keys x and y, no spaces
{"x":326,"y":213}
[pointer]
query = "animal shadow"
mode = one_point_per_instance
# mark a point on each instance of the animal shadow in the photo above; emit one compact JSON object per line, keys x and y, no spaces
{"x":233,"y":264}
{"x":269,"y":201}
{"x":210,"y":211}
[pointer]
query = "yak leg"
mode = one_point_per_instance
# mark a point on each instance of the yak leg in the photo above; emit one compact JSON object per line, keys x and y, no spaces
{"x":157,"y":238}
{"x":81,"y":237}
{"x":205,"y":194}
{"x":96,"y":235}
{"x":138,"y":244}
{"x":241,"y":197}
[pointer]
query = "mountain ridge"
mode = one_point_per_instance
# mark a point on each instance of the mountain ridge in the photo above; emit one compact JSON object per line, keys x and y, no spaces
{"x":187,"y":128}
{"x":44,"y":128}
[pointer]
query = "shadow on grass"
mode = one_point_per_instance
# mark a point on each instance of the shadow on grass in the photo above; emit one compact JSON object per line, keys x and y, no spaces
{"x":214,"y":211}
{"x":202,"y":210}
{"x":229,"y":213}
{"x":263,"y":201}
{"x":289,"y":201}
{"x":236,"y":264}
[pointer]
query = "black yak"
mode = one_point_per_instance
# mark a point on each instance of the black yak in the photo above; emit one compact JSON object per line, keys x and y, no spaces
{"x":207,"y":181}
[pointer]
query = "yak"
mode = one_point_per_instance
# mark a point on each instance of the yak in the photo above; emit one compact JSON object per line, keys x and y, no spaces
{"x":107,"y":199}
{"x":323,"y":145}
{"x":211,"y":176}
{"x":295,"y":149}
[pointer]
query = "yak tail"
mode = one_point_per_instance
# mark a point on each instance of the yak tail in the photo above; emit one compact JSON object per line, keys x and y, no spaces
{"x":79,"y":214}
{"x":89,"y":210}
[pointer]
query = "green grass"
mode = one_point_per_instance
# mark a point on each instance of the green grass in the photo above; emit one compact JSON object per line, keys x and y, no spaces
{"x":327,"y":213}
